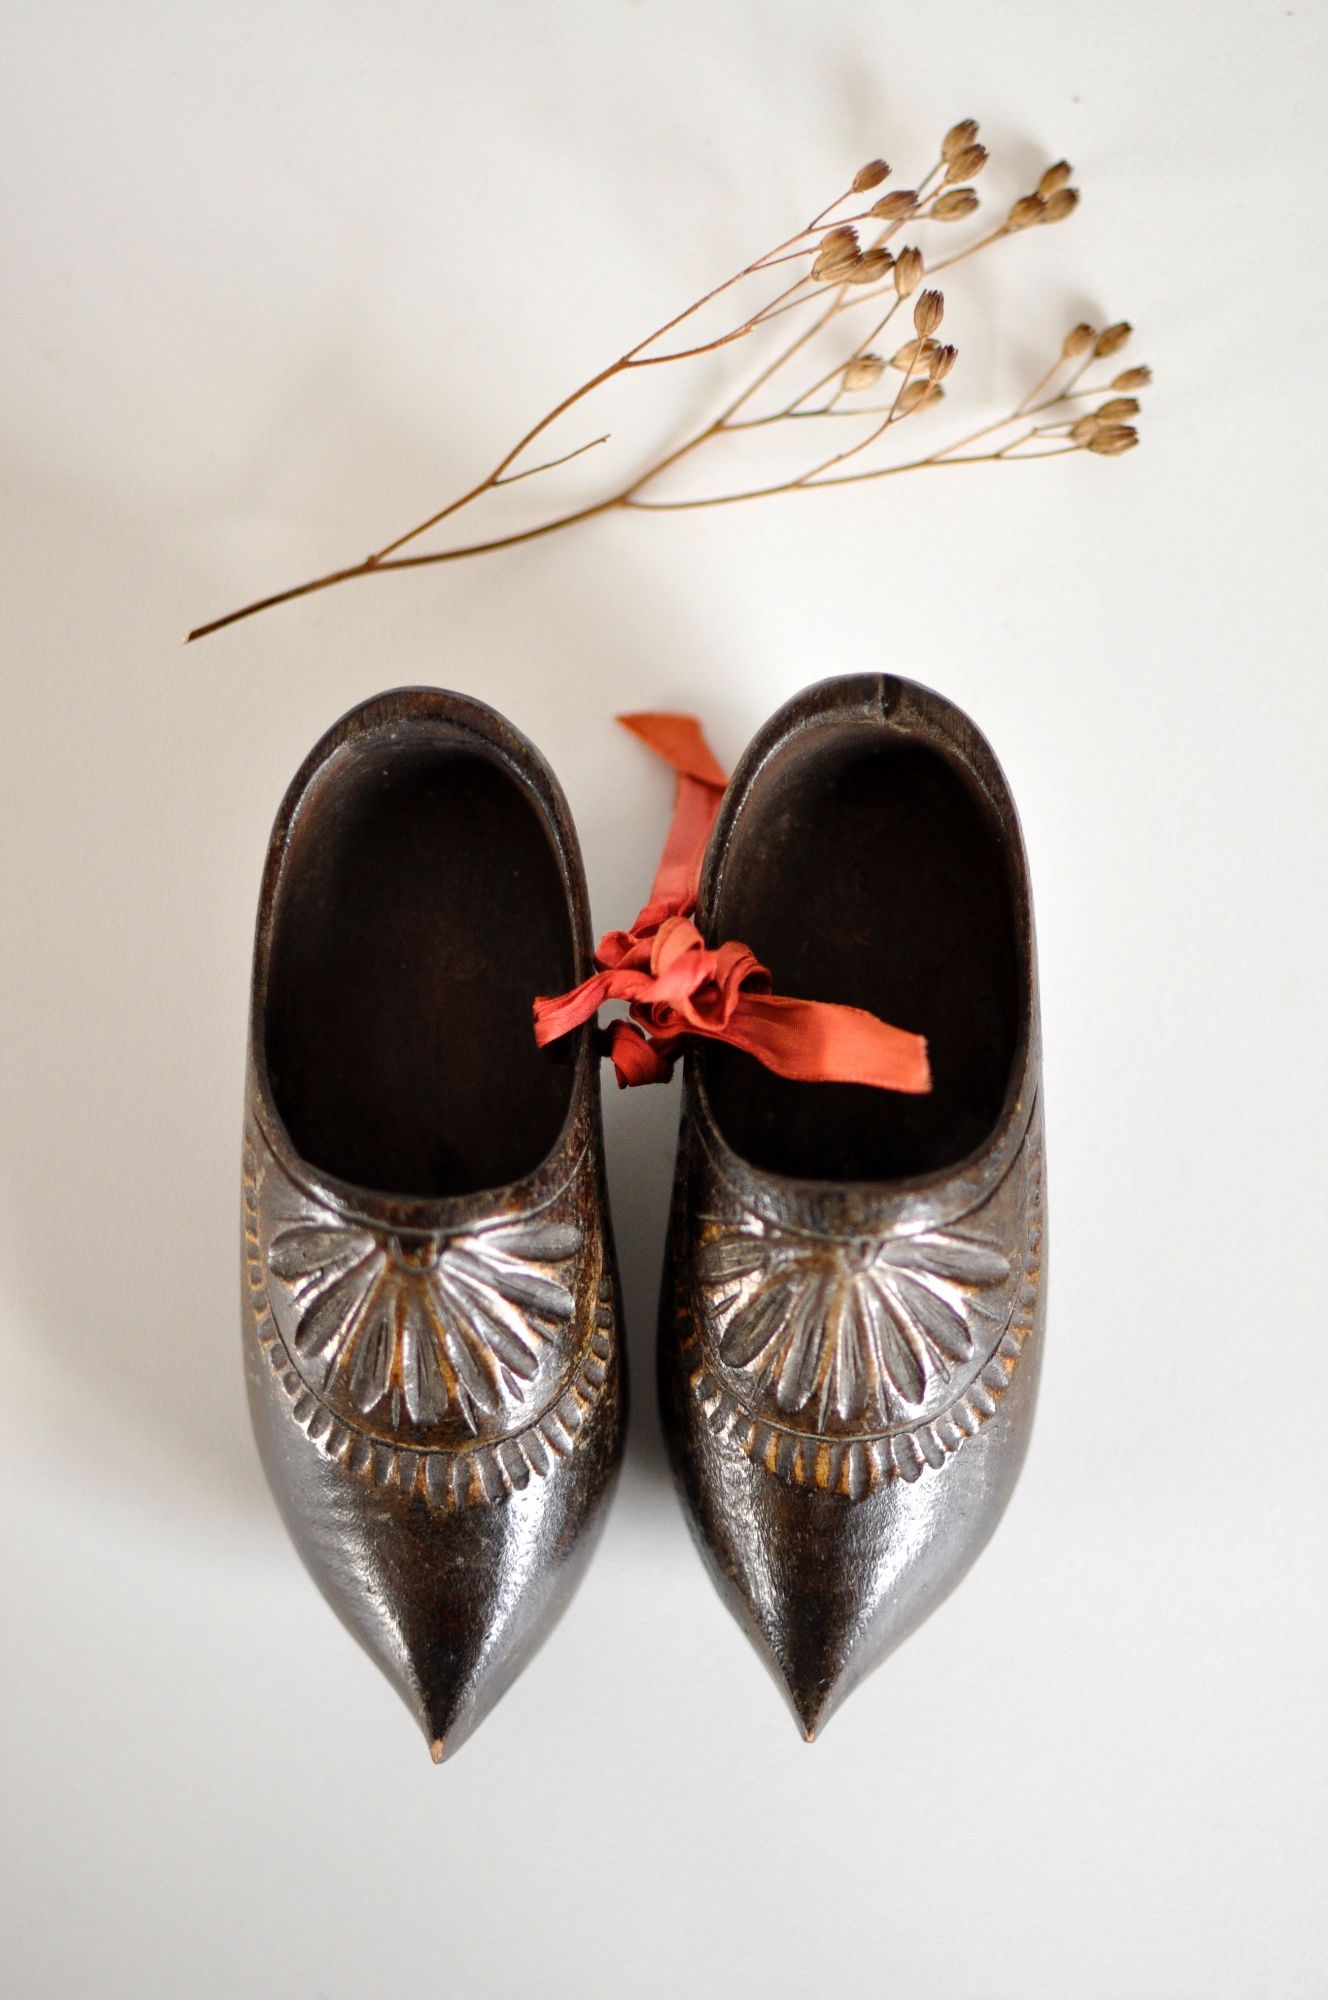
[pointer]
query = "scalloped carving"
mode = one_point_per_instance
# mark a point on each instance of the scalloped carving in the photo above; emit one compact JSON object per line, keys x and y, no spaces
{"x":456,"y":1368}
{"x":840,"y":1365}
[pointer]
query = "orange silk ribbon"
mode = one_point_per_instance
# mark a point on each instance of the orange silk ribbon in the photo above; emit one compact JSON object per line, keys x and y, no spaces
{"x":676,"y":986}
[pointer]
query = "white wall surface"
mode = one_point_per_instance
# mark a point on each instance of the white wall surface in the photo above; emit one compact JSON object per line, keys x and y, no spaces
{"x":280,"y":278}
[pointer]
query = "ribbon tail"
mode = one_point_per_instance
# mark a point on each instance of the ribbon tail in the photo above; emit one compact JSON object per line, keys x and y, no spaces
{"x":557,"y":1016}
{"x":679,"y":740}
{"x":818,"y":1041}
{"x":701,"y":784}
{"x":677,"y":880}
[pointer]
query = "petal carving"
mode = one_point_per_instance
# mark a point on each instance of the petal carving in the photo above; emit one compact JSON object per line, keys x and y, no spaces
{"x":754,"y":1329}
{"x":727,"y":1257}
{"x":947,"y":1256}
{"x":513,"y":1281}
{"x":850,"y":1354}
{"x":804,"y":1331}
{"x":472,"y":1361}
{"x":326,"y":1318}
{"x":371,"y":1367}
{"x":509,"y":1343}
{"x":307,"y":1247}
{"x":538,"y":1242}
{"x":902,"y":1356}
{"x":422,"y":1382}
{"x":941,"y":1323}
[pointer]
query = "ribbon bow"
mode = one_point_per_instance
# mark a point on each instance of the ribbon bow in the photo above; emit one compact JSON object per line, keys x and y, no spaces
{"x":676,"y":985}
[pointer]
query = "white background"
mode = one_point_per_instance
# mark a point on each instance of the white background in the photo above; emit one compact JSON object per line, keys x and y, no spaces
{"x":280,"y":278}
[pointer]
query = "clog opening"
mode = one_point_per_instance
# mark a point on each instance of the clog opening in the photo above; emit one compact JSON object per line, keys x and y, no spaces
{"x":875,"y":875}
{"x":420,"y":907}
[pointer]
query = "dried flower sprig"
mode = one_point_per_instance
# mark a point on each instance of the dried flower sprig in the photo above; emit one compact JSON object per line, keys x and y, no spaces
{"x":841,"y":262}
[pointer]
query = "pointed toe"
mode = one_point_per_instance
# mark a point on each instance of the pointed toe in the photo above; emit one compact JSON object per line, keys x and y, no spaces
{"x":811,"y":1703}
{"x":809,"y":1710}
{"x":852,"y":1311}
{"x":812,"y":1632}
{"x":811,"y":1697}
{"x":452,"y":1692}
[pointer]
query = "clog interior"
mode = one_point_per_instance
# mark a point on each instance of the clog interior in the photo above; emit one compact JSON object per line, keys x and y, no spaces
{"x":420,"y":908}
{"x":872,"y":874}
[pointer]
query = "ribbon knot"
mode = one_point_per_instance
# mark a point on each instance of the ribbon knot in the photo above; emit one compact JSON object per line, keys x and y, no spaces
{"x":676,"y":985}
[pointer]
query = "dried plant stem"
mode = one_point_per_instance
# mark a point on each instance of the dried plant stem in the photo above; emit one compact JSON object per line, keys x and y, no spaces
{"x":386,"y":565}
{"x":842,"y":271}
{"x":970,"y":250}
{"x":632,"y":358}
{"x":547,"y":465}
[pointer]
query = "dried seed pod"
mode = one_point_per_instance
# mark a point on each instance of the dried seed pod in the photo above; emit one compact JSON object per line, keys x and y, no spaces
{"x":908,"y":272}
{"x":955,"y":204}
{"x":866,"y":269}
{"x":838,"y":252}
{"x":863,"y":370}
{"x":966,"y":164}
{"x":914,"y":353}
{"x":929,"y":312}
{"x":839,"y":271}
{"x":1029,"y":208}
{"x":836,"y":272}
{"x":1113,"y":439}
{"x":1085,"y":430}
{"x":941,"y":362}
{"x":960,"y":135}
{"x":894,"y":207}
{"x":870,"y":176}
{"x":1060,"y":205}
{"x":1112,"y":339}
{"x":1078,"y":341}
{"x":1117,"y":409}
{"x":1131,"y":378}
{"x":841,"y":241}
{"x":913,"y":394}
{"x":1054,"y":179}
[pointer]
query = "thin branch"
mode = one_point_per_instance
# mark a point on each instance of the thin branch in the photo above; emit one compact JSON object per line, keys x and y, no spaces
{"x":511,"y":478}
{"x":958,"y":256}
{"x":393,"y":563}
{"x":861,"y":348}
{"x":770,"y":311}
{"x":839,"y":479}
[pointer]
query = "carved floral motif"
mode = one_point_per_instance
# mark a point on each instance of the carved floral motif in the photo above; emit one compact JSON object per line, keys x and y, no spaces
{"x":445,"y":1326}
{"x":851,"y":1331}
